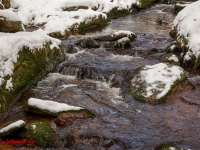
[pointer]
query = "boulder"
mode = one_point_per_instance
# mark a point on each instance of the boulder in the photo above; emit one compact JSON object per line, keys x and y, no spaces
{"x":170,"y":58}
{"x":152,"y":84}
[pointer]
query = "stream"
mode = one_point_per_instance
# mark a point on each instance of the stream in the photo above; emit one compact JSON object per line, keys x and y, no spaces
{"x":98,"y":79}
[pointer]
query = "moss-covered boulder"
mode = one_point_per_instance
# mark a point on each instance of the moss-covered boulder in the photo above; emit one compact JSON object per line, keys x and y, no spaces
{"x":170,"y":58}
{"x":145,"y":3}
{"x":121,"y":43}
{"x":26,"y":59}
{"x":11,"y":128}
{"x":10,"y":22}
{"x":168,"y":146}
{"x":87,"y":43}
{"x":51,"y":108}
{"x":152,"y":84}
{"x":42,"y":134}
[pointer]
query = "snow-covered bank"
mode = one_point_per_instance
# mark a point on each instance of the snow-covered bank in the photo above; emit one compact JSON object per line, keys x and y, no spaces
{"x":187,"y":24}
{"x":63,"y":15}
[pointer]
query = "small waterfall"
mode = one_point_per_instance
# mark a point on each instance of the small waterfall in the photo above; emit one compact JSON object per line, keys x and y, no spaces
{"x":83,"y":73}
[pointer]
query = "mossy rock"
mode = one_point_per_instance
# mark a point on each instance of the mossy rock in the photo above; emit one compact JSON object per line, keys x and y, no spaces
{"x":13,"y":129}
{"x":170,"y":58}
{"x":42,"y":134}
{"x":60,"y":35}
{"x":145,"y":3}
{"x":177,"y":8}
{"x":10,"y":22}
{"x":31,"y":67}
{"x":115,"y":12}
{"x":74,"y":8}
{"x":46,"y":112}
{"x":168,"y":146}
{"x":88,"y":43}
{"x":150,"y":84}
{"x":95,"y":22}
{"x":121,"y":43}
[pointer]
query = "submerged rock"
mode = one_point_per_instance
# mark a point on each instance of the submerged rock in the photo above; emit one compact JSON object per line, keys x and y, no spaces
{"x":68,"y":118}
{"x":42,"y":134}
{"x":10,"y":22}
{"x":154,"y":83}
{"x":11,"y":128}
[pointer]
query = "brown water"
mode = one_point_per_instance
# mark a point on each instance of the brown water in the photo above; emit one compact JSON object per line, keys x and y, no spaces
{"x":99,"y":80}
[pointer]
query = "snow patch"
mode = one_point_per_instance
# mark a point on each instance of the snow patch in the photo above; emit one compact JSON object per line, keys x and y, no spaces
{"x":9,"y":15}
{"x":173,"y":58}
{"x":159,"y":77}
{"x":12,"y":125}
{"x":51,"y":105}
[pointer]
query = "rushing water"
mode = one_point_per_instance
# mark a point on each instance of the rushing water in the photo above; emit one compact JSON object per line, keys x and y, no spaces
{"x":98,"y":79}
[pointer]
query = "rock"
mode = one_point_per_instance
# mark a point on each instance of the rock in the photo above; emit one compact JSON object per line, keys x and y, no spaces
{"x":69,"y":117}
{"x":121,"y":43}
{"x":168,"y":146}
{"x":51,"y":108}
{"x":117,"y":35}
{"x":115,"y":13}
{"x":42,"y":134}
{"x":170,"y":58}
{"x":154,"y":83}
{"x":10,"y":22}
{"x":88,"y":43}
{"x":93,"y":22}
{"x":60,"y":35}
{"x":177,"y":8}
{"x":11,"y":128}
{"x":30,"y":64}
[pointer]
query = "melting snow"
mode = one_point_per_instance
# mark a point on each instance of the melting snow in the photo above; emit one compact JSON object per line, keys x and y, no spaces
{"x":12,"y":125}
{"x":51,"y":105}
{"x":158,"y":77}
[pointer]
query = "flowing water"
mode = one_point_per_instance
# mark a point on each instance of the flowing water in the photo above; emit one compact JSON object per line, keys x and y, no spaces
{"x":98,"y":79}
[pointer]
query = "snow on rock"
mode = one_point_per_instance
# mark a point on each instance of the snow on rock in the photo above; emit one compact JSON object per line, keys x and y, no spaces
{"x":173,"y":58}
{"x":187,"y":24}
{"x":51,"y":106}
{"x":12,"y":128}
{"x":12,"y":43}
{"x":153,"y":83}
{"x":8,"y":14}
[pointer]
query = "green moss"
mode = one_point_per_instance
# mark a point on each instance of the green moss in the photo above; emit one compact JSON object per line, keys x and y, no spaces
{"x":30,"y":68}
{"x":115,"y":13}
{"x":41,"y":133}
{"x":165,"y":58}
{"x":93,"y":23}
{"x":145,"y":3}
{"x":167,"y":146}
{"x":60,"y":35}
{"x":10,"y":26}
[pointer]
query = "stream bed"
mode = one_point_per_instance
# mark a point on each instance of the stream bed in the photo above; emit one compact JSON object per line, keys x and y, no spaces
{"x":98,"y":79}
